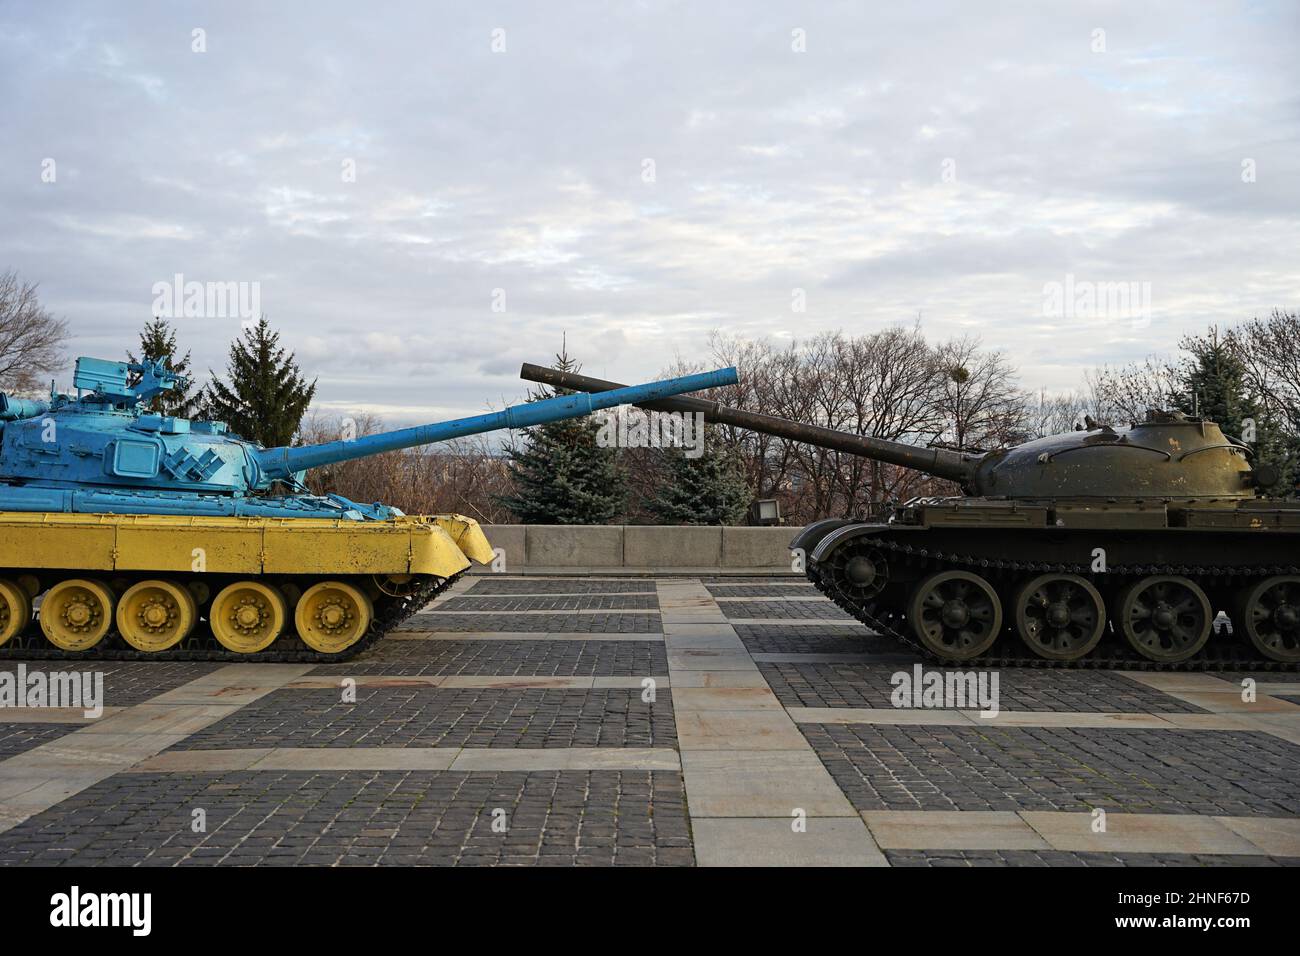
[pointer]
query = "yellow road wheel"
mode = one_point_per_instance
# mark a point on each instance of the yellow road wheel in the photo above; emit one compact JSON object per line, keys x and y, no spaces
{"x":155,"y":615}
{"x":247,"y":616}
{"x":77,"y":613}
{"x":332,"y":616}
{"x":15,"y":609}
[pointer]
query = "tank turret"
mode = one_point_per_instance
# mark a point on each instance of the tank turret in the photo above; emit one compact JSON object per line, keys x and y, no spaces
{"x":1104,"y":546}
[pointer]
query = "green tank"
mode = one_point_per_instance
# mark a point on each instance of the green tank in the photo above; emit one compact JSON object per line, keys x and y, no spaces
{"x":1100,"y":547}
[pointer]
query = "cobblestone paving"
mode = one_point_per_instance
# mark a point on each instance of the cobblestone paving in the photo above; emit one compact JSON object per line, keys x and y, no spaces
{"x":445,"y":717}
{"x":594,"y":623}
{"x":1062,"y":858}
{"x":763,"y":590}
{"x":747,"y":579}
{"x":126,"y":683}
{"x":627,"y":817}
{"x":791,"y":610}
{"x":577,"y":602}
{"x":495,"y":585}
{"x":501,"y":658}
{"x":869,"y":685}
{"x":988,"y":768}
{"x":19,"y":738}
{"x":558,"y":818}
{"x":816,"y":639}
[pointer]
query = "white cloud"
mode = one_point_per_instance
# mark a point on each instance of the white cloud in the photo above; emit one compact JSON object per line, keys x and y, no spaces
{"x":523,"y":172}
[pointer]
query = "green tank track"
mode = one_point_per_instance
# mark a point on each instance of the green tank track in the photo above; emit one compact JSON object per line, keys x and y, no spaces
{"x":202,"y":646}
{"x":1111,"y":654}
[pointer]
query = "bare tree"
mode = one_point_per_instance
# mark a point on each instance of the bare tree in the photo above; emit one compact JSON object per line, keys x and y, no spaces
{"x":1269,"y":349}
{"x":1045,"y":413}
{"x":466,"y":476}
{"x":1124,"y":393}
{"x":977,"y":395}
{"x":31,"y":338}
{"x":888,"y":384}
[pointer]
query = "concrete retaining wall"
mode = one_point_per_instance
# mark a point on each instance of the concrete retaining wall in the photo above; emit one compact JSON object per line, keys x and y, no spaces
{"x":541,"y":548}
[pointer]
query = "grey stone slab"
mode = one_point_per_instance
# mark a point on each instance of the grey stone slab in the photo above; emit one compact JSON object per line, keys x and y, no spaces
{"x":952,"y":830}
{"x":828,"y":841}
{"x":760,"y":783}
{"x":736,"y":730}
{"x":1138,"y":833}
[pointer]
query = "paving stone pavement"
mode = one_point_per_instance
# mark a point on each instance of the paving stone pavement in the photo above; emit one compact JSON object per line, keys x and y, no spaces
{"x":594,"y":622}
{"x":793,"y":591}
{"x":555,"y":657}
{"x":127,"y":682}
{"x":849,"y":638}
{"x":20,"y":738}
{"x":444,"y":818}
{"x":769,"y":738}
{"x":553,"y":602}
{"x":564,"y":586}
{"x":870,"y":685}
{"x":442,"y":717}
{"x":1133,"y":771}
{"x":796,"y":609}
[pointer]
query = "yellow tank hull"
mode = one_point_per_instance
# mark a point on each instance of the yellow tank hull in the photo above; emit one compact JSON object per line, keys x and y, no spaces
{"x":212,"y":587}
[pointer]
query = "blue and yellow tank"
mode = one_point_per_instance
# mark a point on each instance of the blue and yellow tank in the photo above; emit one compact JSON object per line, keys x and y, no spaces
{"x":140,"y":534}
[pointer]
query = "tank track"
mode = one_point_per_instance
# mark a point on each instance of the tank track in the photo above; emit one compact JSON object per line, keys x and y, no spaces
{"x":202,"y":646}
{"x":1111,"y":654}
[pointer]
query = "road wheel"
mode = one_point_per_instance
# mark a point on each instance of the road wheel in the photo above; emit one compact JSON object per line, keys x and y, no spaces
{"x":15,"y":609}
{"x":332,"y":616}
{"x":77,"y":613}
{"x":155,"y":615}
{"x":1270,"y":616}
{"x":955,"y":614}
{"x":1164,"y":618}
{"x":247,"y":616}
{"x":1061,"y":617}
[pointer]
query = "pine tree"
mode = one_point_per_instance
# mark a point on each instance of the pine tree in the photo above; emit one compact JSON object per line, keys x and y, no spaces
{"x":1212,"y":383}
{"x":709,"y":489}
{"x":267,"y":397}
{"x":1213,"y":386}
{"x":158,"y":340}
{"x":561,"y":474}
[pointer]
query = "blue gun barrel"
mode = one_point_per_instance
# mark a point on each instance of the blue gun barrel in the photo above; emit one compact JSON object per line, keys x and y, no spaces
{"x":12,"y":409}
{"x":280,"y":463}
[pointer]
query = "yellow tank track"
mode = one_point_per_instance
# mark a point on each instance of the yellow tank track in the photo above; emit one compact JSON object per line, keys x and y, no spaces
{"x":209,"y":588}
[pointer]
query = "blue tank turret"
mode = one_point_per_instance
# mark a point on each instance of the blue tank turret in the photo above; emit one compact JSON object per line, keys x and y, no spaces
{"x":101,"y":451}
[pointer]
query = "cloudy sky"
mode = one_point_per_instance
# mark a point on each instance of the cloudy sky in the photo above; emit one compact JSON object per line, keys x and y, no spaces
{"x":636,"y":174}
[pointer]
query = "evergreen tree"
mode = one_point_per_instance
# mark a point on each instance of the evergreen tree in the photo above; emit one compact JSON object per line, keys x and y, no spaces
{"x":710,"y":489}
{"x":157,"y":341}
{"x":1212,"y":385}
{"x":561,"y":474}
{"x":267,"y":397}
